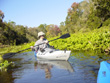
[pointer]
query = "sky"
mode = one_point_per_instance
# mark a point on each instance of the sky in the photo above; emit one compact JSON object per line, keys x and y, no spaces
{"x":32,"y":13}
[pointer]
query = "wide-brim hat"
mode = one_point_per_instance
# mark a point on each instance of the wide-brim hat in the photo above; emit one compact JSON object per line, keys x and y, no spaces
{"x":41,"y":33}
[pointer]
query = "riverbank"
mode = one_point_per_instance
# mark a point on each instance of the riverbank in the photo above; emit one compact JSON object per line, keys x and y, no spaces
{"x":98,"y":39}
{"x":8,"y":49}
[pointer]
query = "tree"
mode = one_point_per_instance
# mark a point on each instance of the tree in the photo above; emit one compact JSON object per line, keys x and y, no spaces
{"x":63,"y":28}
{"x":99,"y":13}
{"x":102,"y":9}
{"x":52,"y":30}
{"x":42,"y":27}
{"x":74,"y":13}
{"x":7,"y":34}
{"x":32,"y":34}
{"x":84,"y":7}
{"x":1,"y":15}
{"x":21,"y":34}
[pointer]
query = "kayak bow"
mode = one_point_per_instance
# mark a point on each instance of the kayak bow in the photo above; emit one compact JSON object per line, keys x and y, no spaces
{"x":104,"y":73}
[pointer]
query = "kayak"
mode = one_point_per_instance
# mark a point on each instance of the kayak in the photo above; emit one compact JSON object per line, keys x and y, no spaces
{"x":52,"y":54}
{"x":104,"y":73}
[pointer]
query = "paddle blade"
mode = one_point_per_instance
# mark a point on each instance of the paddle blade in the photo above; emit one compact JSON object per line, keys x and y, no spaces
{"x":65,"y":36}
{"x":8,"y":55}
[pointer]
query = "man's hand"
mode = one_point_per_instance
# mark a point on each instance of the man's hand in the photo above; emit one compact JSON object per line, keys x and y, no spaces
{"x":31,"y":47}
{"x":46,"y":41}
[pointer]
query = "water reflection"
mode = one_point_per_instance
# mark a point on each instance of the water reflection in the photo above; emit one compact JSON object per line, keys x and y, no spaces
{"x":45,"y":67}
{"x":6,"y":77}
{"x":48,"y":65}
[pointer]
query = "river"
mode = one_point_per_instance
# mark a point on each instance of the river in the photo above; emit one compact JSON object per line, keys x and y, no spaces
{"x":80,"y":68}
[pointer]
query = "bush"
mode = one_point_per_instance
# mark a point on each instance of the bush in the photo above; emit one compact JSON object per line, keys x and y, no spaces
{"x":107,"y":22}
{"x":93,"y":40}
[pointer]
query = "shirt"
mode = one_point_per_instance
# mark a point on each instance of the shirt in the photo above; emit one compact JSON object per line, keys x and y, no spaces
{"x":42,"y":46}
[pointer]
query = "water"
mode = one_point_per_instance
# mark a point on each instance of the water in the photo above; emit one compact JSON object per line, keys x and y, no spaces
{"x":80,"y":68}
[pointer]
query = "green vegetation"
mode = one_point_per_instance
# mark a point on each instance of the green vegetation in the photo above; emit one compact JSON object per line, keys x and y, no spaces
{"x":81,"y":17}
{"x":5,"y":64}
{"x":88,"y":22}
{"x":15,"y":48}
{"x":98,"y":39}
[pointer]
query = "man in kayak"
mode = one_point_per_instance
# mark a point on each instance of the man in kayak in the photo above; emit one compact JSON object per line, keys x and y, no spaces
{"x":42,"y":41}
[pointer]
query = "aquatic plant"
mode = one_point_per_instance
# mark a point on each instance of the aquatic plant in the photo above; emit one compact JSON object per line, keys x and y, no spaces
{"x":98,"y":39}
{"x":15,"y":48}
{"x":5,"y":64}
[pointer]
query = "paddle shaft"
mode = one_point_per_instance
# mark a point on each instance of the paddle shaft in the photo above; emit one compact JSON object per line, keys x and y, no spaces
{"x":8,"y":55}
{"x":63,"y":36}
{"x":37,"y":45}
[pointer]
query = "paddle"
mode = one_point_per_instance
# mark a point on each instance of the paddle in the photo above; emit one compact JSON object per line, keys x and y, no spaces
{"x":8,"y":55}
